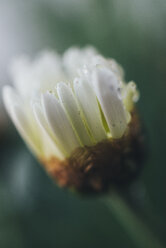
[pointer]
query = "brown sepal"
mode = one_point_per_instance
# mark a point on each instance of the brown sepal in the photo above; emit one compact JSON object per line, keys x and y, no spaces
{"x":109,"y":163}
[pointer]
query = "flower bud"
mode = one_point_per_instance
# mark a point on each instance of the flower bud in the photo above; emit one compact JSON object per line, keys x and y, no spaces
{"x":76,"y":113}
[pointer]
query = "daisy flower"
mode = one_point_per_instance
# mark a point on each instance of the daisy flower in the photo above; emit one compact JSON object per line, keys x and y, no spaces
{"x":76,"y":113}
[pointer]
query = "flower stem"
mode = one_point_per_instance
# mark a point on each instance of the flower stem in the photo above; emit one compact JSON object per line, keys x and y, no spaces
{"x":140,"y":234}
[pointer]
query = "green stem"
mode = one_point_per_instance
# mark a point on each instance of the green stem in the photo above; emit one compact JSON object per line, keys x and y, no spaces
{"x":140,"y":234}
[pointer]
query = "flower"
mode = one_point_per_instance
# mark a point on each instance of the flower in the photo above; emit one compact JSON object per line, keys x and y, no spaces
{"x":76,"y":114}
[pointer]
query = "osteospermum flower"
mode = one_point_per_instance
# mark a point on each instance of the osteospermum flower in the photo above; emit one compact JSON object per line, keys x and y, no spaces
{"x":76,"y":113}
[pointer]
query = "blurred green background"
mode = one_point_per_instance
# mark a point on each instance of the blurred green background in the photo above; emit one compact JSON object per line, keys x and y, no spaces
{"x":33,"y":211}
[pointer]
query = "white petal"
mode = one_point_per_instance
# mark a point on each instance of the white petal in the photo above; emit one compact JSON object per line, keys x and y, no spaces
{"x":48,"y":139}
{"x":106,"y":87}
{"x":88,"y":102}
{"x":111,"y":64}
{"x":73,"y":112}
{"x":38,"y":75}
{"x":14,"y":108}
{"x":75,"y":58}
{"x":59,"y":123}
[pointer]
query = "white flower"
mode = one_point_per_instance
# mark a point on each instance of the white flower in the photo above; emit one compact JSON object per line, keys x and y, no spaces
{"x":59,"y":103}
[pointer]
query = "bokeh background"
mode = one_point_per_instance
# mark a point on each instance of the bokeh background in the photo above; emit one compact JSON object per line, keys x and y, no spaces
{"x":33,"y":211}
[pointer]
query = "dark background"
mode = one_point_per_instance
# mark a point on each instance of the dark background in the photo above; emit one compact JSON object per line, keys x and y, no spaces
{"x":33,"y":211}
